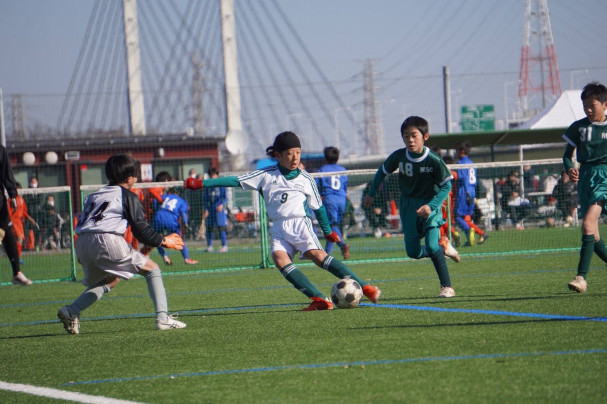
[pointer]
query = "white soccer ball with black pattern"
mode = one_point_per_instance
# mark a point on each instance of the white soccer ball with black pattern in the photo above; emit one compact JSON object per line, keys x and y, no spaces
{"x":346,"y":293}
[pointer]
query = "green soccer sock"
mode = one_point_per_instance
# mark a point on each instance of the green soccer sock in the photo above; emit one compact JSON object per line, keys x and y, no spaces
{"x":340,"y":270}
{"x":585,"y":255}
{"x":300,"y":281}
{"x":440,"y":265}
{"x":601,"y":250}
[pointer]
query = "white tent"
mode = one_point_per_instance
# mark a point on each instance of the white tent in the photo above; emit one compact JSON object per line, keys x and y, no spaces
{"x":562,"y":113}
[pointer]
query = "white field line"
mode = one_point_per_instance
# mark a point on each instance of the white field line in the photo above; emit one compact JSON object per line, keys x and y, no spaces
{"x":61,"y":394}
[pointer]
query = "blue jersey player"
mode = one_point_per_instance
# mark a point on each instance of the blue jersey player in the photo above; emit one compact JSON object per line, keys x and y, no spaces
{"x":466,"y":195}
{"x":334,"y":193}
{"x":167,"y":218}
{"x":215,"y":212}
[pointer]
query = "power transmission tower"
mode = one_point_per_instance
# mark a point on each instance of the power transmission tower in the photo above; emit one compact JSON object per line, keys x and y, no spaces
{"x":539,"y":74}
{"x":371,"y":122}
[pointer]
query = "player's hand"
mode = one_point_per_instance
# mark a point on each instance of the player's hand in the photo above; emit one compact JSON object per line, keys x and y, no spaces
{"x":574,"y":174}
{"x":333,"y":237}
{"x":368,"y":201}
{"x":424,"y":211}
{"x":173,"y":241}
{"x":13,"y":202}
{"x":193,"y":183}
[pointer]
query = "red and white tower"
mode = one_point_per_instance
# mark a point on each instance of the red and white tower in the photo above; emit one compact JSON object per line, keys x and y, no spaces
{"x":539,"y":80}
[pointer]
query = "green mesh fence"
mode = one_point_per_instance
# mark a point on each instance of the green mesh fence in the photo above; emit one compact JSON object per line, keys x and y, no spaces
{"x":546,"y":222}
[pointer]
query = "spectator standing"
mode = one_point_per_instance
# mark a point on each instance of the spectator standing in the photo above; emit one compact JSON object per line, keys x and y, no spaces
{"x":565,"y":194}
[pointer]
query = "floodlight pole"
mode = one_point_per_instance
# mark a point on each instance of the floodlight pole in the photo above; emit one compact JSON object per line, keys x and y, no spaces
{"x":447,"y":95}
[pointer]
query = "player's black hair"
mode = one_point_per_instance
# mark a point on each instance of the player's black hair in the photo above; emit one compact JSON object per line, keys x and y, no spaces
{"x":213,"y":171}
{"x":163,"y":176}
{"x":595,"y":90}
{"x":119,"y":168}
{"x":416,"y":122}
{"x":465,"y":146}
{"x":331,"y":154}
{"x":283,"y":141}
{"x":448,"y":159}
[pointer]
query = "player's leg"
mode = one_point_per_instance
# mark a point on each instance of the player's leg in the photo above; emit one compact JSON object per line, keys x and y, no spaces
{"x":464,"y":225}
{"x":340,"y":270}
{"x":589,"y":235}
{"x":10,"y":247}
{"x":437,"y":255}
{"x":210,"y":224}
{"x":153,"y":276}
{"x":282,"y":253}
{"x":224,"y":239}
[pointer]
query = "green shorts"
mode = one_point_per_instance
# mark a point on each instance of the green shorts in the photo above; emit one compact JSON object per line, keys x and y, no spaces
{"x":413,"y":225}
{"x":592,"y":186}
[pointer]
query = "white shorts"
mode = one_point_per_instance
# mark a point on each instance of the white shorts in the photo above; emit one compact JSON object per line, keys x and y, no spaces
{"x":104,"y":254}
{"x":292,"y":235}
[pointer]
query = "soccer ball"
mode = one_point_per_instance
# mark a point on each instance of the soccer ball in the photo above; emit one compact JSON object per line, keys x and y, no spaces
{"x":346,"y":294}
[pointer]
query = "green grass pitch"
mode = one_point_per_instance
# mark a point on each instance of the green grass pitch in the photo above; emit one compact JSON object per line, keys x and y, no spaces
{"x":514,"y":333}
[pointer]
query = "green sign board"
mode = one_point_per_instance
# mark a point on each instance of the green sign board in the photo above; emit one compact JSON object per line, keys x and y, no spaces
{"x":478,"y":118}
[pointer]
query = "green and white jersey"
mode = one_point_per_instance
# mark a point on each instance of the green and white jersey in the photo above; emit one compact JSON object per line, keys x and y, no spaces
{"x":284,"y":198}
{"x":419,"y":175}
{"x":590,"y":141}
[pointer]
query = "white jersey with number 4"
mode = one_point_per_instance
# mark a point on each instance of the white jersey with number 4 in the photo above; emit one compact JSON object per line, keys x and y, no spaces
{"x":285,"y":199}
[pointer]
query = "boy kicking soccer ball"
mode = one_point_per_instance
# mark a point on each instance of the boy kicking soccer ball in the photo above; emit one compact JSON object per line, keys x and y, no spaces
{"x":105,"y":255}
{"x":424,"y":181}
{"x":286,"y":189}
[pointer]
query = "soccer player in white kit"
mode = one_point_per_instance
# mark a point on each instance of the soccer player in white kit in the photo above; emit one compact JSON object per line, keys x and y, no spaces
{"x":288,"y":191}
{"x":104,"y":253}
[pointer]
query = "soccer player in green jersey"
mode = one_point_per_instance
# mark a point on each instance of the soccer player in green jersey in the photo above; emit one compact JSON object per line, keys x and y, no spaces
{"x":588,"y":137}
{"x":424,"y":182}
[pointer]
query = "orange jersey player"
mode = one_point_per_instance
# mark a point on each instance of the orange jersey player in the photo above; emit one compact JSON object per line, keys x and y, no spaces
{"x":128,"y":234}
{"x":18,"y":215}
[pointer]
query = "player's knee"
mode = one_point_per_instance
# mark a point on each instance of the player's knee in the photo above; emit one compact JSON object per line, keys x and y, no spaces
{"x":413,"y":251}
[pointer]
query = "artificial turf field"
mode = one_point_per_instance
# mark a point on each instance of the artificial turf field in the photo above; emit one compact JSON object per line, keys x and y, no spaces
{"x":514,"y":333}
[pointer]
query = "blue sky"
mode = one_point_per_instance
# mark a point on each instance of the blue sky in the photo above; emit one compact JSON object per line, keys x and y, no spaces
{"x":406,"y":39}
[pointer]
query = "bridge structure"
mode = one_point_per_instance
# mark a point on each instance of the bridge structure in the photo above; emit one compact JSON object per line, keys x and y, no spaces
{"x":205,"y":69}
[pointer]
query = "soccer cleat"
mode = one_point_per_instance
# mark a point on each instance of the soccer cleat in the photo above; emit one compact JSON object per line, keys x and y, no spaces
{"x":190,"y":261}
{"x":578,"y":284}
{"x":446,"y":291}
{"x":171,"y":324}
{"x":223,"y":249}
{"x":167,"y":260}
{"x":70,"y":323}
{"x":209,"y":249}
{"x":483,"y":238}
{"x":318,"y":303}
{"x":21,"y":279}
{"x":450,"y":252}
{"x":372,"y":292}
{"x":345,"y":251}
